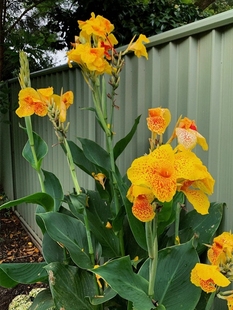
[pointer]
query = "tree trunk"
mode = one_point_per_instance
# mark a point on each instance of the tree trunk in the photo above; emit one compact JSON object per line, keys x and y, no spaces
{"x":203,"y":4}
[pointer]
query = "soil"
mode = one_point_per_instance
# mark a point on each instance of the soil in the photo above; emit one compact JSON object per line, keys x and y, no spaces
{"x":16,"y":246}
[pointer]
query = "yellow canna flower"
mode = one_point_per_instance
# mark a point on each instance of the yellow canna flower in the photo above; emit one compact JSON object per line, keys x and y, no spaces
{"x":156,"y":171}
{"x":138,"y":47}
{"x":222,"y":249}
{"x":208,"y":277}
{"x":97,"y":26}
{"x":32,"y":101}
{"x":62,"y":103}
{"x":164,"y":171}
{"x":158,"y":120}
{"x":187,"y":134}
{"x":193,"y":179}
{"x":91,"y":59}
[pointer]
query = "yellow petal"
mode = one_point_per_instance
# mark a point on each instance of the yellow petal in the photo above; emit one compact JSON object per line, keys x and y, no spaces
{"x":136,"y":190}
{"x":198,"y":199}
{"x":208,"y":277}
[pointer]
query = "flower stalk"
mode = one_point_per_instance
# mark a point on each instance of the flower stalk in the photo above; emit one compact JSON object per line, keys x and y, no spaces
{"x":36,"y":165}
{"x":25,"y":81}
{"x":177,"y":218}
{"x":152,"y":245}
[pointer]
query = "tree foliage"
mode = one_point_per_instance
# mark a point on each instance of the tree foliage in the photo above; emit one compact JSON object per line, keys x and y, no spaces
{"x":23,"y":25}
{"x":44,"y":26}
{"x":129,"y":17}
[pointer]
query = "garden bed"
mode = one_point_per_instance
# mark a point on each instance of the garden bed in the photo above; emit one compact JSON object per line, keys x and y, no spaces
{"x":16,"y":246}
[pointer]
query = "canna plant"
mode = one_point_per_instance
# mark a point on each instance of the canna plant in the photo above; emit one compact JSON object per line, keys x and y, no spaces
{"x":130,"y":243}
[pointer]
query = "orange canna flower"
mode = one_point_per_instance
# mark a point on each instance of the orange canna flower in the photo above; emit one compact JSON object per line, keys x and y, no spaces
{"x":138,"y":47}
{"x":32,"y":101}
{"x":208,"y":277}
{"x":187,"y":134}
{"x":158,"y":120}
{"x":142,"y":209}
{"x":141,"y":198}
{"x":222,"y":249}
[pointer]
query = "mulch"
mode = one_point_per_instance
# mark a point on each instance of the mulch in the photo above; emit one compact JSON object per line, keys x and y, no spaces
{"x":16,"y":246}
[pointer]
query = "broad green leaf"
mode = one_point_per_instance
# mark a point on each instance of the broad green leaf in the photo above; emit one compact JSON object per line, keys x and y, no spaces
{"x":77,"y":203}
{"x":43,"y":301}
{"x":172,"y":284}
{"x":107,"y":295}
{"x":71,"y":233}
{"x":52,"y":251}
{"x":165,"y":212}
{"x":5,"y":280}
{"x":118,"y":221}
{"x":204,"y":226}
{"x":53,"y":188}
{"x":26,"y":273}
{"x":122,"y":144}
{"x":41,"y":149}
{"x":119,"y":275}
{"x":98,"y":214}
{"x":80,"y":159}
{"x":42,"y":199}
{"x":70,"y":286}
{"x":96,"y":154}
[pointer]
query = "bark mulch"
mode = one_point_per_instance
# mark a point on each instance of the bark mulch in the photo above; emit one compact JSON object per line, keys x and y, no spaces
{"x":16,"y":246}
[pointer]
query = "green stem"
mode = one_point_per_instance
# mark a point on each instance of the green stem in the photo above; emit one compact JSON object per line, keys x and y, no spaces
{"x":78,"y":191}
{"x":152,"y":245}
{"x":97,"y":101}
{"x":32,"y":145}
{"x":101,"y":111}
{"x":210,"y":301}
{"x":71,"y":166}
{"x":177,"y":218}
{"x":177,"y":224}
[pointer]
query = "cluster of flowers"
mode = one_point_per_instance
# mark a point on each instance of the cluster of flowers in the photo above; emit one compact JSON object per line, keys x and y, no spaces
{"x":220,"y":272}
{"x":94,"y":52}
{"x":39,"y":101}
{"x":164,"y":171}
{"x":94,"y":47}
